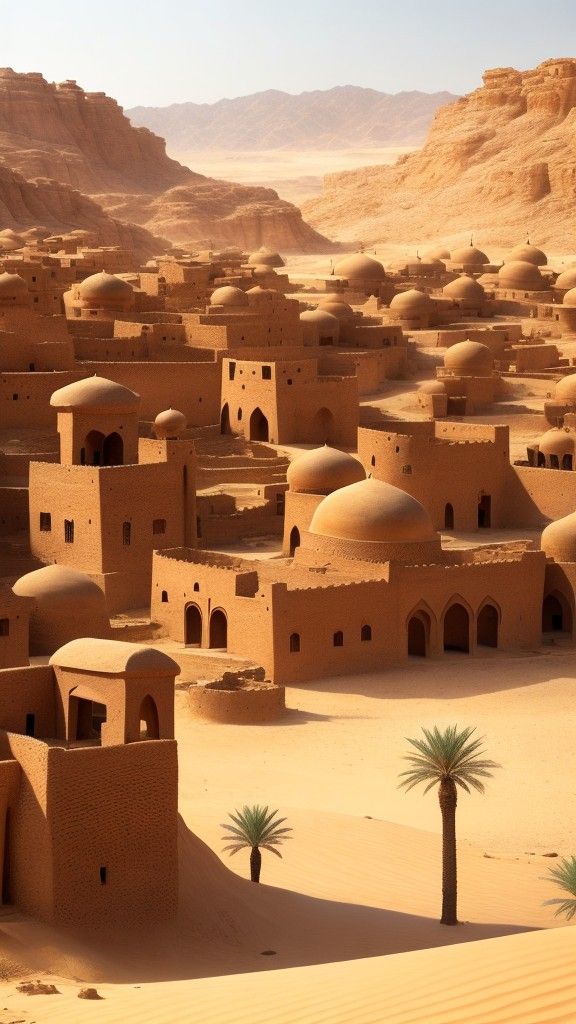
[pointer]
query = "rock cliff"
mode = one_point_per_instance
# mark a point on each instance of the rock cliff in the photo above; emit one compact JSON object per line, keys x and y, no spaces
{"x":499,"y":162}
{"x":84,"y":140}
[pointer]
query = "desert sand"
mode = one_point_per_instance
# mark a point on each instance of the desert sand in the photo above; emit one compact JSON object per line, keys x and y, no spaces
{"x":360,"y":876}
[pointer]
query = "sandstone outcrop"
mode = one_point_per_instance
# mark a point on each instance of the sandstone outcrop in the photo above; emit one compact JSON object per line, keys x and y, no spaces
{"x":499,"y":162}
{"x":84,"y":140}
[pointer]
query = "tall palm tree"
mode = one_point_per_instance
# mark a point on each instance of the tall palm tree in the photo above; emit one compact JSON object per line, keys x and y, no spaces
{"x":563,"y":875}
{"x":256,"y":828}
{"x":448,"y":759}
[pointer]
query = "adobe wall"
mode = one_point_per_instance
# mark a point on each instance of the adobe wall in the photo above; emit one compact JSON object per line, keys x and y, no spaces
{"x":193,"y":388}
{"x":246,"y":705}
{"x":298,"y":513}
{"x":114,"y":807}
{"x":534,"y":496}
{"x":13,"y":509}
{"x":28,"y":690}
{"x":122,"y":696}
{"x":14,"y":617}
{"x":31,"y":406}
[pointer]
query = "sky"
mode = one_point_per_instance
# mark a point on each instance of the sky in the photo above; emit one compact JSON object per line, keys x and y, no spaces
{"x":154,"y":53}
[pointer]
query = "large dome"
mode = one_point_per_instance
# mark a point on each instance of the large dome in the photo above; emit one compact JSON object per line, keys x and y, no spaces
{"x":372,"y":511}
{"x":412,"y":300}
{"x":466,"y":288}
{"x":528,"y":254}
{"x":469,"y":359}
{"x":67,"y":604}
{"x":106,"y":291}
{"x":229,"y":296}
{"x":95,"y":393}
{"x":335,"y":304}
{"x":266,"y":258}
{"x":556,"y":442}
{"x":469,"y":256}
{"x":13,"y":290}
{"x":323,"y":470}
{"x":566,"y":280}
{"x":522,"y":275}
{"x":565,"y":390}
{"x":558,"y":540}
{"x":360,"y":267}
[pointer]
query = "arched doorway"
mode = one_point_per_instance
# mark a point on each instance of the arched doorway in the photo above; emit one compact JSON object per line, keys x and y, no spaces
{"x":323,"y":426}
{"x":484,"y":512}
{"x":258,"y":426}
{"x":418,"y":635}
{"x":225,"y":420}
{"x":449,"y":517}
{"x":218,"y":629}
{"x":487,"y":626}
{"x":294,"y":540}
{"x":92,"y":449}
{"x":149,"y":725}
{"x":193,"y":626}
{"x":457,"y":629}
{"x":113,"y":450}
{"x":556,"y":614}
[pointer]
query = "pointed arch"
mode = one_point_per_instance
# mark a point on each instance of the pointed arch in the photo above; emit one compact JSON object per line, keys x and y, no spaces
{"x":258,"y":426}
{"x":456,"y":625}
{"x":557,"y":614}
{"x":419,"y":625}
{"x":149,"y":722}
{"x":225,"y":427}
{"x":488,"y":623}
{"x":294,"y":540}
{"x":113,"y":450}
{"x":323,"y":426}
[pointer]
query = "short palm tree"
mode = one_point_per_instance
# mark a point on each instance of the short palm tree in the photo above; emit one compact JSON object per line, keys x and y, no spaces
{"x":448,"y":759}
{"x":563,"y":874}
{"x":255,"y":828}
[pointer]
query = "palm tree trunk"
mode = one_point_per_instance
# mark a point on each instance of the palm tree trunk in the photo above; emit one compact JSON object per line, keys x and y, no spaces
{"x":448,"y":798}
{"x":255,"y":864}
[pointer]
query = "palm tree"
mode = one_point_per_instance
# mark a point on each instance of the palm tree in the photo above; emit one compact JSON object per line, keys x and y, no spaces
{"x":448,"y":759}
{"x":255,"y":827}
{"x":563,"y":874}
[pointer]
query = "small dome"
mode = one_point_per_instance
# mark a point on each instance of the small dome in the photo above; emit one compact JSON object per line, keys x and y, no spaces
{"x":266,"y":258}
{"x":556,"y":442}
{"x":519,"y":274}
{"x":106,"y":291}
{"x":469,"y":359}
{"x":469,"y":256}
{"x":558,"y":540}
{"x":261,"y":295}
{"x":261,"y":270}
{"x":464,"y":287}
{"x":438,"y":253}
{"x":412,"y":300}
{"x":567,"y":279}
{"x":323,"y":470}
{"x":67,"y":604}
{"x":170,"y":424}
{"x":117,"y":657}
{"x":324,"y":320}
{"x":527,"y":253}
{"x":432,"y":387}
{"x":13,"y":290}
{"x":372,"y":511}
{"x":569,"y":297}
{"x":360,"y":267}
{"x":96,"y":393}
{"x":336,"y":306}
{"x":565,"y":390}
{"x":229,"y":296}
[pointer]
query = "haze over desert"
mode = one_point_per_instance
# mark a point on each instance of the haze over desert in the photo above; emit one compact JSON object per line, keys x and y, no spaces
{"x":288,"y":514}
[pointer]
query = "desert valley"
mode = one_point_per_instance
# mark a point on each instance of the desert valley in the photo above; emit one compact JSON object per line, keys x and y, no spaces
{"x":288,"y":554}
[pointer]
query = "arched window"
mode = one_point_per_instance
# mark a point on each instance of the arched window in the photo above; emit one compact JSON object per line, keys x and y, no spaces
{"x":294,"y":539}
{"x":338,"y":639}
{"x":225,"y":419}
{"x":366,"y":633}
{"x":239,"y":414}
{"x":373,"y":460}
{"x":196,"y":587}
{"x":294,"y":643}
{"x":449,"y":517}
{"x":164,"y":597}
{"x":149,"y":725}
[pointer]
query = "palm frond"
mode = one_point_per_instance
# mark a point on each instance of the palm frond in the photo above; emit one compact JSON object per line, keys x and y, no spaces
{"x":255,"y":826}
{"x":563,"y":875}
{"x":452,"y":754}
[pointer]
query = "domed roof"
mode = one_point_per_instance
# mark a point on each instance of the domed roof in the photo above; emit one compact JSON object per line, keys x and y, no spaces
{"x":106,"y":289}
{"x":260,"y":294}
{"x":470,"y":358}
{"x":433,"y":387}
{"x":558,"y":540}
{"x":469,"y":256}
{"x":360,"y":267}
{"x":323,"y":470}
{"x":266,"y":258}
{"x":440,"y":252}
{"x":116,"y":657}
{"x":337,"y":307}
{"x":67,"y":603}
{"x":565,"y":390}
{"x":373,"y":511}
{"x":170,"y":423}
{"x":321,"y":317}
{"x":411,"y":300}
{"x":95,"y":393}
{"x":464,"y":287}
{"x":12,"y":288}
{"x":569,"y":297}
{"x":519,"y":274}
{"x":567,"y":279}
{"x":556,"y":442}
{"x":261,"y":270}
{"x":229,"y":296}
{"x":528,"y":254}
{"x":9,"y":243}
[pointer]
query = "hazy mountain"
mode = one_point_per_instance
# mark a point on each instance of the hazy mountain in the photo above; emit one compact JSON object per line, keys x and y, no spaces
{"x":339,"y":118}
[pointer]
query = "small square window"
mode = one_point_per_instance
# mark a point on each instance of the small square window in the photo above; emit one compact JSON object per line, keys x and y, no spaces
{"x":45,"y":522}
{"x":266,"y":373}
{"x":158,"y":526}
